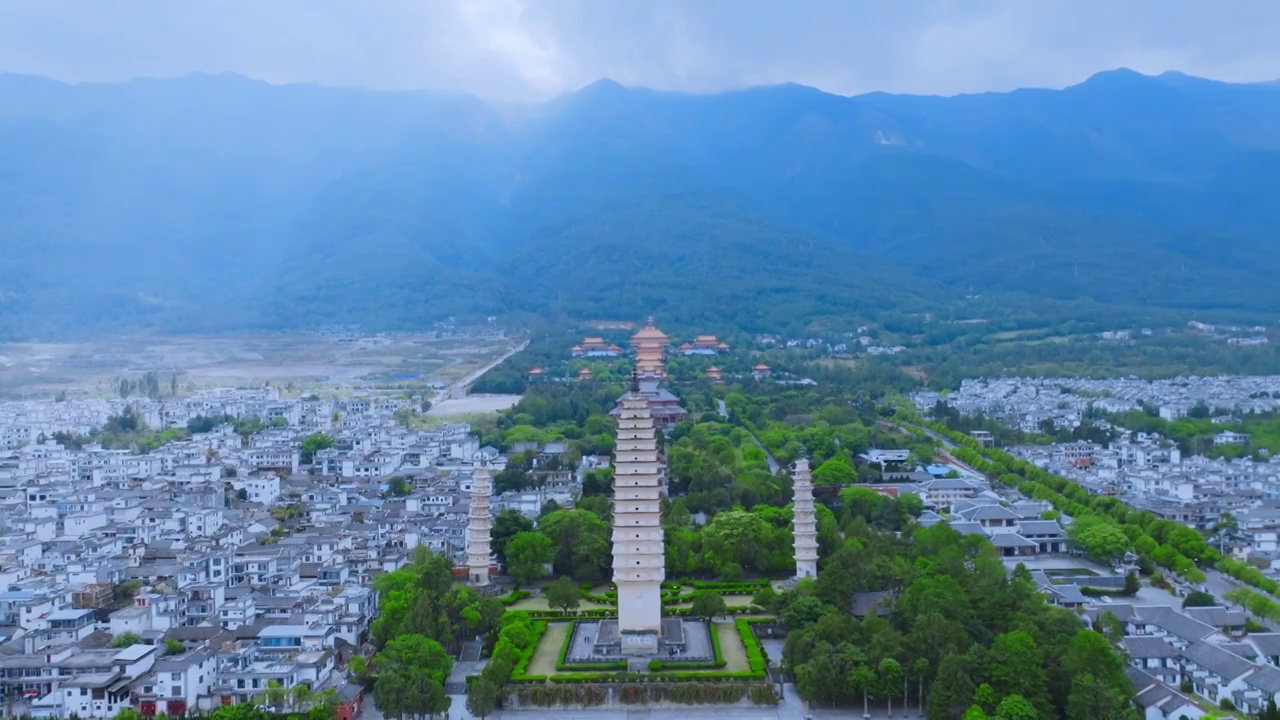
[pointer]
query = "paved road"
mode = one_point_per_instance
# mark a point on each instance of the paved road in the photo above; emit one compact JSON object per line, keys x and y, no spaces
{"x":462,"y":387}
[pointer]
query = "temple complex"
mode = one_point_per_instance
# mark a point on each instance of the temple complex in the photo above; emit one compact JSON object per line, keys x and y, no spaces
{"x":663,"y":405}
{"x":595,"y":347}
{"x":479,"y":527}
{"x":650,"y":345}
{"x":714,"y":375}
{"x":638,"y":552}
{"x":804,"y":527}
{"x":585,"y":374}
{"x":704,"y":345}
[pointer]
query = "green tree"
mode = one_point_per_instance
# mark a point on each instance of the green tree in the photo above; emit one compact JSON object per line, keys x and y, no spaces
{"x":581,"y":541}
{"x":359,"y":668}
{"x":398,"y":486}
{"x":952,"y":690}
{"x":415,"y":654}
{"x":562,"y":593}
{"x":740,"y":537}
{"x":835,"y":471}
{"x":528,"y":555}
{"x":1014,"y":667}
{"x":126,"y":639}
{"x":174,"y":647}
{"x":507,"y":525}
{"x":1016,"y":707}
{"x":300,"y":697}
{"x":765,"y":597}
{"x":275,"y":695}
{"x":314,"y":443}
{"x":1100,"y":540}
{"x":1099,"y":686}
{"x":863,"y":680}
{"x":1198,"y":598}
{"x":708,"y":606}
{"x":482,"y":698}
{"x":409,"y":677}
{"x":889,"y":681}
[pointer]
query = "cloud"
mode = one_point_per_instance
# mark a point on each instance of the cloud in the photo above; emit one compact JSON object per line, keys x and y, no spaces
{"x":524,"y":49}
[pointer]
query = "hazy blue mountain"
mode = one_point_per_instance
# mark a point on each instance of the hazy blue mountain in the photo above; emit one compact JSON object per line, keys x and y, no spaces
{"x":219,"y":202}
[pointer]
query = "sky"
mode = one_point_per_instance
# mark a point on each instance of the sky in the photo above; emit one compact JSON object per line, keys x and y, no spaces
{"x":533,"y":49}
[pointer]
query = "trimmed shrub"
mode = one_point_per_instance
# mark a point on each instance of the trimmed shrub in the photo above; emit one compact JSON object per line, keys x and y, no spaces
{"x":515,"y":597}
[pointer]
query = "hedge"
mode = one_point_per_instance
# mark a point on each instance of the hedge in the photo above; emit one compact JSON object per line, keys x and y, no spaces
{"x":744,"y":586}
{"x":590,"y":695}
{"x":505,"y":647}
{"x":755,"y":656}
{"x":515,"y":597}
{"x":539,"y":628}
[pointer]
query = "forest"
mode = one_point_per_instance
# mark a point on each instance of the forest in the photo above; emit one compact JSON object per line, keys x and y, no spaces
{"x":952,"y":631}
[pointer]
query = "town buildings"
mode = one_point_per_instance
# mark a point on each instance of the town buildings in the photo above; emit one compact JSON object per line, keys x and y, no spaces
{"x":231,"y":564}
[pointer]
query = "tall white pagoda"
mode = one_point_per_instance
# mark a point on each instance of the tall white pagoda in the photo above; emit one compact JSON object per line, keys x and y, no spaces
{"x":638,"y":553}
{"x":479,"y":527}
{"x":805,"y":528}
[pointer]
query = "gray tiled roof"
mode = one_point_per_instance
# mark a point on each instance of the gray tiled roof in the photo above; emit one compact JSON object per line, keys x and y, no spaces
{"x":1217,"y":616}
{"x":1147,"y":646}
{"x":1266,"y":679}
{"x":1041,"y":527}
{"x":1011,"y":540}
{"x":990,"y":512}
{"x":1267,"y":643}
{"x":1224,"y":664}
{"x":1174,"y":622}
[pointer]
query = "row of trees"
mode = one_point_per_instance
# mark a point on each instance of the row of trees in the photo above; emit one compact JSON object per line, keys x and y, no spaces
{"x":1171,"y":545}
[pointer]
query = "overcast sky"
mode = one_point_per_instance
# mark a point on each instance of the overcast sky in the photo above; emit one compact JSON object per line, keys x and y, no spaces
{"x":529,"y":49}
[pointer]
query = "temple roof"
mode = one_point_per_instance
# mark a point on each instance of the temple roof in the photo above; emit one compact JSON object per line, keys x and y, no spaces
{"x":651,"y":333}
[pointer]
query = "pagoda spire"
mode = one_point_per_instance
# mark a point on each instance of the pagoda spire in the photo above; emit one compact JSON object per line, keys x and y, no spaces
{"x":804,"y":528}
{"x":479,"y":527}
{"x":639,"y":564}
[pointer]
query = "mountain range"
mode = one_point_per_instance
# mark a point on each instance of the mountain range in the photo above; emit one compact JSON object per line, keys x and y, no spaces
{"x":210,"y":203}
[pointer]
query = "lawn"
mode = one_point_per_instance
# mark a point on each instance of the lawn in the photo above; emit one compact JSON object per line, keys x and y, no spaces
{"x":735,"y":655}
{"x":548,"y":651}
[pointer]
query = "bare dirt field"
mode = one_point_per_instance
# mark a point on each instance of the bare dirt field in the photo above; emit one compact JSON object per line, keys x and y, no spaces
{"x":299,"y":361}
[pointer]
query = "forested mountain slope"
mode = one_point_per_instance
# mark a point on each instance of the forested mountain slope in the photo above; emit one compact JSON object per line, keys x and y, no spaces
{"x":218,"y":202}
